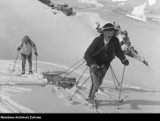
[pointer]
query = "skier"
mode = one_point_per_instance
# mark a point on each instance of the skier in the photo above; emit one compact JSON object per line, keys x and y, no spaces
{"x":99,"y":54}
{"x":26,"y":52}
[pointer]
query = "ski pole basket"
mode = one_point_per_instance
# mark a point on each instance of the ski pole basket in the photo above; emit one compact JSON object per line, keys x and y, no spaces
{"x":56,"y":78}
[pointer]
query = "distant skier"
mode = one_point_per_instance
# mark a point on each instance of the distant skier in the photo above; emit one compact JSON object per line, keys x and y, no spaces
{"x":26,"y":52}
{"x":99,"y":55}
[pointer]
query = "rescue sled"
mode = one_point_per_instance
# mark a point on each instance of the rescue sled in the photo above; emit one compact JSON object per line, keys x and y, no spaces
{"x":58,"y":78}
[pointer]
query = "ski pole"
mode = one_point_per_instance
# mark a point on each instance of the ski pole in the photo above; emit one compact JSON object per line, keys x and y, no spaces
{"x":81,"y":76}
{"x":74,"y":69}
{"x":15,"y":61}
{"x":36,"y":64}
{"x":79,"y":88}
{"x":121,"y":87}
{"x":114,"y":77}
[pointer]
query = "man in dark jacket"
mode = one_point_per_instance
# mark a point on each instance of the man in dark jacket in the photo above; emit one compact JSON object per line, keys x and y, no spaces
{"x":99,"y":55}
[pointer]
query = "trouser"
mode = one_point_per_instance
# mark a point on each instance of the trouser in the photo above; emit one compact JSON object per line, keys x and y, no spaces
{"x":29,"y":58}
{"x":96,"y":78}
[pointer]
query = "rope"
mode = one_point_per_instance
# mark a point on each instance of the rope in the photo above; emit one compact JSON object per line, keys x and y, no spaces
{"x":81,"y":76}
{"x":99,"y":50}
{"x":73,"y":65}
{"x":83,"y":62}
{"x":79,"y":88}
{"x":74,"y":69}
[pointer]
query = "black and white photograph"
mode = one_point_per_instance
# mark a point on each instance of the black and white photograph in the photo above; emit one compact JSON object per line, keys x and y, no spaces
{"x":79,"y":57}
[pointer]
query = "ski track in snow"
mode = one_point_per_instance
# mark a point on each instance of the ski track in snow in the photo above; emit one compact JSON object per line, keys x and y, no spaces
{"x":8,"y":89}
{"x":78,"y":97}
{"x":15,"y":89}
{"x":9,"y":106}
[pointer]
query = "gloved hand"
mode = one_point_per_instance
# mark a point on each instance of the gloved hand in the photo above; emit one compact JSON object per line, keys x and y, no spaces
{"x":125,"y":62}
{"x":94,"y":67}
{"x":18,"y":49}
{"x":36,"y":53}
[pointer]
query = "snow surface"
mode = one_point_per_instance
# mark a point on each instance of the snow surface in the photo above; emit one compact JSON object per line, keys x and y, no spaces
{"x":61,"y":41}
{"x":94,"y":2}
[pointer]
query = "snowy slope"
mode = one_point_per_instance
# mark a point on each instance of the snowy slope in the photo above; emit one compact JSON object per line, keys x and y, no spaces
{"x":52,"y":33}
{"x":32,"y":94}
{"x":62,"y":41}
{"x":56,"y":33}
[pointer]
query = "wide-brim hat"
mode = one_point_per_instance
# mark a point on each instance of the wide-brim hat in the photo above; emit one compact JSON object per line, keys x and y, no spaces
{"x":25,"y":38}
{"x":109,"y":27}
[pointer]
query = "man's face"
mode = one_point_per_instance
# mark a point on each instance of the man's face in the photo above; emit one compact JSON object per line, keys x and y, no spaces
{"x":108,"y":34}
{"x":26,"y":41}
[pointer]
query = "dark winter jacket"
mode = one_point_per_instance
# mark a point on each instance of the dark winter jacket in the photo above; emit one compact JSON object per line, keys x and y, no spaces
{"x":105,"y":56}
